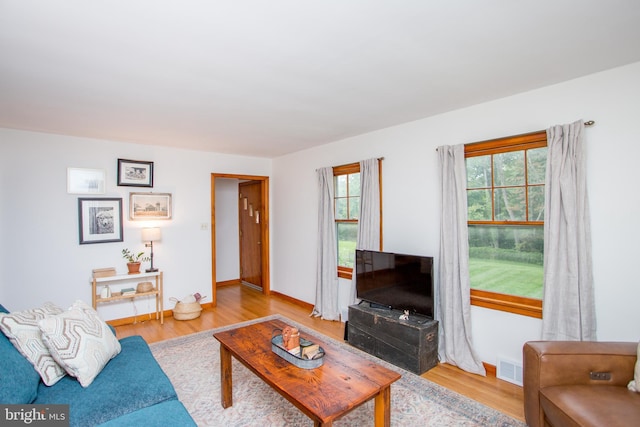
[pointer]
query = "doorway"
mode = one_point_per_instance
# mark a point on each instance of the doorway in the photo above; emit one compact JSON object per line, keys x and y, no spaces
{"x":256,"y":188}
{"x":250,"y":206}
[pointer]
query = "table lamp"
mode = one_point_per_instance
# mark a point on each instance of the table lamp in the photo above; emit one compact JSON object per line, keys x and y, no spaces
{"x":150,"y":234}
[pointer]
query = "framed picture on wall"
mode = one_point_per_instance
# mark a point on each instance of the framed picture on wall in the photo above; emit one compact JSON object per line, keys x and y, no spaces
{"x":135,"y":173}
{"x":100,"y":220}
{"x":149,"y":206}
{"x":85,"y":181}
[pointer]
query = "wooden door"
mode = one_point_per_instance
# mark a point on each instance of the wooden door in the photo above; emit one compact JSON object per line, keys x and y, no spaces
{"x":251,"y":215}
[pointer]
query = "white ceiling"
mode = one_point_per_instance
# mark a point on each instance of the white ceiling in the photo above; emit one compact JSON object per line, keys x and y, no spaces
{"x":266,"y":78}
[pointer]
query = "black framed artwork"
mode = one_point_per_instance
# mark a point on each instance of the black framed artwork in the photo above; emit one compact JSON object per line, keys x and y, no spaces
{"x":135,"y":173}
{"x":100,"y":220}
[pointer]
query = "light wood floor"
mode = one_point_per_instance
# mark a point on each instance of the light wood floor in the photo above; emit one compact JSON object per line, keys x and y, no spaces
{"x":239,"y":303}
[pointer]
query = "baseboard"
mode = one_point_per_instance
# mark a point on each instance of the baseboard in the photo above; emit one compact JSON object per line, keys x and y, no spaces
{"x":293,"y":300}
{"x":491,"y":369}
{"x":228,"y":283}
{"x":169,"y":313}
{"x":148,"y":316}
{"x":142,"y":317}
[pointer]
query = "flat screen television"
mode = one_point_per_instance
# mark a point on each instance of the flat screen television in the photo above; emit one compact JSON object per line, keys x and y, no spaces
{"x":395,"y":281}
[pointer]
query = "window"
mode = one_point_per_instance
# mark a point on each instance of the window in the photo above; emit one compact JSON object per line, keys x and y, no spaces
{"x":505,"y":198}
{"x":346,"y":181}
{"x":347,"y":195}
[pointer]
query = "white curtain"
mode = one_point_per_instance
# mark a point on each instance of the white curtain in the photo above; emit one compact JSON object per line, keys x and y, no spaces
{"x":569,"y":307}
{"x":453,"y":308}
{"x":369,"y":221}
{"x":326,"y":305}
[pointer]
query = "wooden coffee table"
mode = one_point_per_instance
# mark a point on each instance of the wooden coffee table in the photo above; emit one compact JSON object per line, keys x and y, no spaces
{"x":344,"y":381}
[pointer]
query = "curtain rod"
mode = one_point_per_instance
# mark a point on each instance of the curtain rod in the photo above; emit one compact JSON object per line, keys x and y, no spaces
{"x":586,"y":124}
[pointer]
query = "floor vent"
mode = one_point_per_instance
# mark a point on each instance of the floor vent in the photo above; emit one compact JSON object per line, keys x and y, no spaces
{"x":509,"y":370}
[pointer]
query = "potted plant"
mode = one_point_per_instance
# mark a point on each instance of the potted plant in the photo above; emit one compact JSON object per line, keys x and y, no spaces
{"x":134,"y":260}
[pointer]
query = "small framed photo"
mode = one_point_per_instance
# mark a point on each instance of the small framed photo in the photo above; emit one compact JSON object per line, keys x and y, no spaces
{"x":85,"y":181}
{"x":149,"y":206}
{"x":135,"y":173}
{"x":100,"y":220}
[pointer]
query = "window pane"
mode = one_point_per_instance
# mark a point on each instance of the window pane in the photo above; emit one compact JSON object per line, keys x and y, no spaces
{"x":479,"y":172}
{"x":354,"y":207}
{"x":508,"y":169}
{"x":354,"y":184}
{"x":536,"y":165}
{"x":479,"y":205}
{"x":536,"y":203}
{"x":347,"y":233}
{"x":341,"y":186}
{"x":510,"y":204}
{"x":506,"y":259}
{"x":341,"y":208}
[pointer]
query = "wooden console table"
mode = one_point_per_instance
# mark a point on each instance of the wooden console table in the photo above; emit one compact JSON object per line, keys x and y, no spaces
{"x":109,"y":280}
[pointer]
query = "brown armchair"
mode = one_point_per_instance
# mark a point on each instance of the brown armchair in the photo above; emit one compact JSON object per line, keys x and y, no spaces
{"x":580,"y":383}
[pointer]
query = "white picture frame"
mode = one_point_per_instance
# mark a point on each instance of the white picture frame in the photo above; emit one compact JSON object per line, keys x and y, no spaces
{"x":86,"y":181}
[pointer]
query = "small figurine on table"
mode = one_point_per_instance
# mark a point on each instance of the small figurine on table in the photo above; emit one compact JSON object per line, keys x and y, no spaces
{"x":404,"y":316}
{"x":291,"y":339}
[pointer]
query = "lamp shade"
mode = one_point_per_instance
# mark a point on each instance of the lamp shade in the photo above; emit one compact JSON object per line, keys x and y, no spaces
{"x":151,"y":234}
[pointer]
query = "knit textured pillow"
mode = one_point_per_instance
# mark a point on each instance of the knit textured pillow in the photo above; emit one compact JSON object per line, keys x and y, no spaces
{"x":22,"y":330}
{"x":80,"y":341}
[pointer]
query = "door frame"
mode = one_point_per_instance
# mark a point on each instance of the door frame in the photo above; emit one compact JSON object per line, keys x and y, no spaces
{"x":264,"y":230}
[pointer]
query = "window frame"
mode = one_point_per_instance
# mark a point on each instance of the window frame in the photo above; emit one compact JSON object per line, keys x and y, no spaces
{"x":347,"y":272}
{"x":525,"y":306}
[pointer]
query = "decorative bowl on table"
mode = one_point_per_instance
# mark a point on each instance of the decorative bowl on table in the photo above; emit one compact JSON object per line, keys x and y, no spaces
{"x":307,"y":356}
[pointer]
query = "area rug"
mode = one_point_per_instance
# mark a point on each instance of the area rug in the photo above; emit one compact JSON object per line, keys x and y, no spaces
{"x":192,"y":363}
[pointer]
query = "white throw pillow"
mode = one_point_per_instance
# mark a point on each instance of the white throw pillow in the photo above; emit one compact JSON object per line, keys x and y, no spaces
{"x":634,"y":385}
{"x":80,"y":341}
{"x":22,"y":330}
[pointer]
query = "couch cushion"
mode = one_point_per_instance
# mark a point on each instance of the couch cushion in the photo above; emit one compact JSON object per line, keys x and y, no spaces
{"x":168,"y":413}
{"x":130,"y":381}
{"x":22,"y":330}
{"x":79,"y":341}
{"x":590,"y":405}
{"x":18,"y":380}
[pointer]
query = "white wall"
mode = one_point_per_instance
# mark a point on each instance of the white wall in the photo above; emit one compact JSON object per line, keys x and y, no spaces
{"x":41,"y":258}
{"x":227,"y":230}
{"x":411,"y":202}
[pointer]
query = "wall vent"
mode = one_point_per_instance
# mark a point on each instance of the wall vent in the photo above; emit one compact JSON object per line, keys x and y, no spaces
{"x":509,"y":370}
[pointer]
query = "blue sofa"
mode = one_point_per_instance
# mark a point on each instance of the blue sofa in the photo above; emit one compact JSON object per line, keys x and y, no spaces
{"x":131,"y":390}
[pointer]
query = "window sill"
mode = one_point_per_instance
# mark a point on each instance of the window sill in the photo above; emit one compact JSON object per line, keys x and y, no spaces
{"x":509,"y":303}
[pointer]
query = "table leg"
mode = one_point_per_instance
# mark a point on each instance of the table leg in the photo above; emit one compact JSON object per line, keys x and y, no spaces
{"x":226,"y":382}
{"x":383,"y":408}
{"x":161,"y":296}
